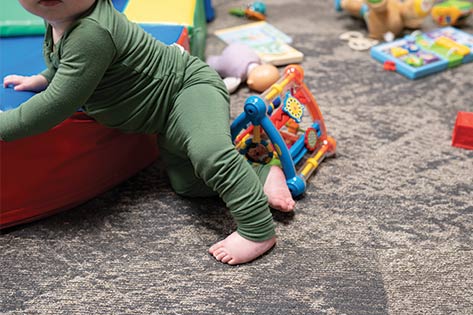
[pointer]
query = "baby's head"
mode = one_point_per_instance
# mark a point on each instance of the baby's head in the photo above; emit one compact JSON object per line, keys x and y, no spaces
{"x":57,"y":11}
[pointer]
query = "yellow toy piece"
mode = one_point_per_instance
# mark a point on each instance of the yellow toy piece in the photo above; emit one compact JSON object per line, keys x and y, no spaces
{"x":398,"y":51}
{"x":163,"y":11}
{"x":187,"y":13}
{"x":450,"y":44}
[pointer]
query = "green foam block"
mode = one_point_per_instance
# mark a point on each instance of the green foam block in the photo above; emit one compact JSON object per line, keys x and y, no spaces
{"x":16,"y":21}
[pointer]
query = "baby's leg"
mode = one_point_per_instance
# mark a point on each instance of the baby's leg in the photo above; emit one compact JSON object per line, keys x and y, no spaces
{"x":275,"y":187}
{"x":181,"y":173}
{"x":198,"y":130}
{"x":234,"y":249}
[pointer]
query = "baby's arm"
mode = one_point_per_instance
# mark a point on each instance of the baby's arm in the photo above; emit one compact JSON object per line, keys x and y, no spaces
{"x":35,"y":83}
{"x":84,"y":60}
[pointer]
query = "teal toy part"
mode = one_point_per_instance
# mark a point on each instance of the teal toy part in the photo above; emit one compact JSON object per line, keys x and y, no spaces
{"x":338,"y":5}
{"x":258,"y":6}
{"x":16,"y":21}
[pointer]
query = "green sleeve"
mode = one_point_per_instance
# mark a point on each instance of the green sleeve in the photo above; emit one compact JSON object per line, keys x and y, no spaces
{"x":86,"y":52}
{"x":48,"y":74}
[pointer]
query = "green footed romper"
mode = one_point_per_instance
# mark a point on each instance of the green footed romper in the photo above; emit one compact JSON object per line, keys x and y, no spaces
{"x":125,"y":79}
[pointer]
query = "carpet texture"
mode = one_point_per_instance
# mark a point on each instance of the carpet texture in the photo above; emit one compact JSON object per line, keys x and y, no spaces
{"x":384,"y":228}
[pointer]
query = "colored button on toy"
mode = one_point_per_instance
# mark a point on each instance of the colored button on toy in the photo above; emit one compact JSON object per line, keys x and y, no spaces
{"x":398,"y":51}
{"x":414,"y":61}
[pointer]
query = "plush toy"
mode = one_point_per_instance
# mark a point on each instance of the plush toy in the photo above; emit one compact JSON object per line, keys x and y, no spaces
{"x":237,"y":63}
{"x":386,"y":19}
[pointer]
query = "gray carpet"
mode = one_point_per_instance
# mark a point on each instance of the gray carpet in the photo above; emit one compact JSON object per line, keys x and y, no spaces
{"x":384,"y":228}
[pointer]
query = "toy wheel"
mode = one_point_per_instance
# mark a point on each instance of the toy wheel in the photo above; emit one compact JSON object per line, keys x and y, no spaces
{"x":310,"y":139}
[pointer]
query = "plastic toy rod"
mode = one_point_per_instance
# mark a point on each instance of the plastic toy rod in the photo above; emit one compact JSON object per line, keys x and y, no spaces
{"x":312,"y":106}
{"x":277,"y":88}
{"x":280,"y":147}
{"x":255,"y":111}
{"x":317,"y":157}
{"x":239,"y":124}
{"x":292,"y":74}
{"x":295,"y":183}
{"x":313,"y":162}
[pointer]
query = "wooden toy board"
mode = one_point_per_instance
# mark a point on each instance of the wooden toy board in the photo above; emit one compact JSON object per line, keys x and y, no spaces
{"x":271,"y":44}
{"x":417,"y":56}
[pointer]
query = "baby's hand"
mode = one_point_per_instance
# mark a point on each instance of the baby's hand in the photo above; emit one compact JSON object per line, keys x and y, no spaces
{"x":35,"y":83}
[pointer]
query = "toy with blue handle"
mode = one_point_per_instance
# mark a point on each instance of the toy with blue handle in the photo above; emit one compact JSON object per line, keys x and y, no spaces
{"x":255,"y":112}
{"x":265,"y":112}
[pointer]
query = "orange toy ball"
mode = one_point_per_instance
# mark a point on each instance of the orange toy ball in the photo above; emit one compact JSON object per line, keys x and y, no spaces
{"x":262,"y":77}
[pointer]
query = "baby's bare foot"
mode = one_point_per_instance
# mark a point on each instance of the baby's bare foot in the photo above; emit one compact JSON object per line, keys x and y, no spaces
{"x":236,"y":250}
{"x":279,"y":195}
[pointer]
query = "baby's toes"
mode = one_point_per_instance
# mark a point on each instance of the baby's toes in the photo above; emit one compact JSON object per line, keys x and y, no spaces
{"x":215,"y":246}
{"x":226,"y":258}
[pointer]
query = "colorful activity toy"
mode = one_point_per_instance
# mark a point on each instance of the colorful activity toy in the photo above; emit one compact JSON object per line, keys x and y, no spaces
{"x":452,"y":12}
{"x":273,"y":129}
{"x":421,"y":54}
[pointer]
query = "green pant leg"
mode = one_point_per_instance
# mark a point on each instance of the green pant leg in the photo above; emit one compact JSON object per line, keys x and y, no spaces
{"x":181,"y":173}
{"x":198,"y":130}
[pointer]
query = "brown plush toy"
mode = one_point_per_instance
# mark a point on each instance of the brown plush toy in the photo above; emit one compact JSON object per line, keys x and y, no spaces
{"x":385,"y":17}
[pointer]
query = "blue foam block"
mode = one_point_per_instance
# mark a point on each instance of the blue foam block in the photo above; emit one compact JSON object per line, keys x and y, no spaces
{"x":19,"y":55}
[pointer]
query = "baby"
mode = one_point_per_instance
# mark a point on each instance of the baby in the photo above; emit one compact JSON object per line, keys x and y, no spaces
{"x":122,"y":77}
